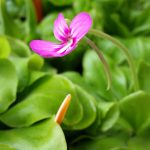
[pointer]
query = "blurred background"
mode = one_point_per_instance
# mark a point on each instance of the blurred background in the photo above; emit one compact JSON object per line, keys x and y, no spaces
{"x":127,"y":20}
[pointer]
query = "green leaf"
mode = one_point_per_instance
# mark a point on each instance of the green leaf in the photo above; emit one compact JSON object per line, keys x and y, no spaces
{"x":18,"y":47}
{"x":141,"y":19}
{"x":106,"y":143}
{"x":139,"y":143}
{"x":111,"y":50}
{"x":25,"y":66}
{"x":125,"y":17}
{"x":76,"y":78}
{"x":8,"y":84}
{"x":4,"y":47}
{"x":135,"y":109}
{"x":12,"y":24}
{"x":139,"y":48}
{"x":143,"y":76}
{"x":8,"y":25}
{"x":36,"y":75}
{"x":136,"y":47}
{"x":35,"y":62}
{"x":45,"y":27}
{"x":110,"y":114}
{"x":6,"y":147}
{"x":110,"y":111}
{"x":44,"y":135}
{"x":94,"y":76}
{"x":89,"y":109}
{"x":21,"y":65}
{"x":41,"y":100}
{"x":91,"y":8}
{"x":30,"y":24}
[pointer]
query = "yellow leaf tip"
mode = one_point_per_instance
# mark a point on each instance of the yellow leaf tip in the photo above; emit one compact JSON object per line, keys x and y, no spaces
{"x":63,"y":109}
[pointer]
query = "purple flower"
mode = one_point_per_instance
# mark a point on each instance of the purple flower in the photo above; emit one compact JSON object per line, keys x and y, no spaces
{"x":69,"y":36}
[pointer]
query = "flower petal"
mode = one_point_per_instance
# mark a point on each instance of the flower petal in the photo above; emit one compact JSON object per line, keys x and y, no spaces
{"x":48,"y":49}
{"x":45,"y":48}
{"x":67,"y":48}
{"x":80,"y":25}
{"x":61,"y":28}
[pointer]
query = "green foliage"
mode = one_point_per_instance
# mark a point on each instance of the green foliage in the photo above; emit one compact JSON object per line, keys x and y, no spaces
{"x":143,"y":73}
{"x":139,"y":143}
{"x":106,"y":143}
{"x":126,"y":17}
{"x":133,"y":108}
{"x":94,"y":75}
{"x":42,"y":135}
{"x":32,"y":88}
{"x":17,"y":19}
{"x":4,"y":47}
{"x":89,"y":109}
{"x":8,"y":84}
{"x":44,"y":100}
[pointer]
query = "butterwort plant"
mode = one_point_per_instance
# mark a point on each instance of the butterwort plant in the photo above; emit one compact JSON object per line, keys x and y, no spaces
{"x":70,"y":35}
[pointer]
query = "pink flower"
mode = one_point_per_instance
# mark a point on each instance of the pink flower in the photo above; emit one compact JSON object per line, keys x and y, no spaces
{"x":69,"y":36}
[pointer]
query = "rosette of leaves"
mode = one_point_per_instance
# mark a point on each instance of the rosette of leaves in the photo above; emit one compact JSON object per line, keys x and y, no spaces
{"x":127,"y":18}
{"x":32,"y":92}
{"x":123,"y":121}
{"x":18,"y":19}
{"x":18,"y":69}
{"x":43,"y":135}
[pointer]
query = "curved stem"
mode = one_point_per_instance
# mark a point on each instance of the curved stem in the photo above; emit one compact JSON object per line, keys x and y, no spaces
{"x":100,"y":55}
{"x":125,"y":50}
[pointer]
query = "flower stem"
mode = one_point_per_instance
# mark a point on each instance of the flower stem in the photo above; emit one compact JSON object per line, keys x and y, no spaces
{"x":63,"y":109}
{"x":125,"y":50}
{"x":100,"y":55}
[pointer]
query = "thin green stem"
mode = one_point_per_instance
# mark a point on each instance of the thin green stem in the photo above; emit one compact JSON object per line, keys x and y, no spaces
{"x":125,"y":50}
{"x":104,"y":62}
